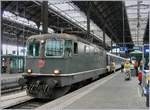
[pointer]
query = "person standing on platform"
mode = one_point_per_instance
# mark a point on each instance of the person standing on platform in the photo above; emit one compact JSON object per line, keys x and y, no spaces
{"x":127,"y":65}
{"x":113,"y":66}
{"x":131,"y":68}
{"x":140,"y":77}
{"x":127,"y":70}
{"x":140,"y":72}
{"x":122,"y":66}
{"x":140,"y":68}
{"x":136,"y":67}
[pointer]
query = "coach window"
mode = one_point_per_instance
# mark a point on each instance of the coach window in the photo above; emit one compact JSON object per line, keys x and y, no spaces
{"x":86,"y":49}
{"x":75,"y":48}
{"x":96,"y":51}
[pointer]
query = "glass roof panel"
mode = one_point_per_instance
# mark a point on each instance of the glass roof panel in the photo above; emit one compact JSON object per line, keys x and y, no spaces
{"x":21,"y":20}
{"x":132,"y":12}
{"x":17,"y":19}
{"x":64,"y":6}
{"x":58,"y":1}
{"x":73,"y":13}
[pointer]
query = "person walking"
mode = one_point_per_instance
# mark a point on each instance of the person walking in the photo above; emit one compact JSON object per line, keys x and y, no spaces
{"x":140,"y":72}
{"x":131,"y":68}
{"x":136,"y":67}
{"x":140,"y":68}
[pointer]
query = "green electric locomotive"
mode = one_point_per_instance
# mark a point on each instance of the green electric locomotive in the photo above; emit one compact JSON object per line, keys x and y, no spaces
{"x":56,"y":61}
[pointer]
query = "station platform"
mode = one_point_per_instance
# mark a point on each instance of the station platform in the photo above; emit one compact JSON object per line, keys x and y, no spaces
{"x":111,"y":92}
{"x":5,"y":76}
{"x":10,"y":80}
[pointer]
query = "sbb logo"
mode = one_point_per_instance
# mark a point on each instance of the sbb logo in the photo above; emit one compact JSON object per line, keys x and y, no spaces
{"x":41,"y":63}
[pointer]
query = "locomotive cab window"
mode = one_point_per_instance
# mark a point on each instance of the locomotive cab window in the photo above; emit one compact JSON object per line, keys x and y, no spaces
{"x":33,"y":48}
{"x":75,"y":48}
{"x":54,"y":47}
{"x":68,"y":47}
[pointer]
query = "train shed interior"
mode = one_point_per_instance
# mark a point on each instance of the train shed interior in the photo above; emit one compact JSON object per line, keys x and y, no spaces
{"x":120,"y":29}
{"x":105,"y":25}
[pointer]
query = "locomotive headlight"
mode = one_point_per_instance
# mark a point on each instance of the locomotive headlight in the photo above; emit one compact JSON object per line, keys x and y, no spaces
{"x":56,"y":71}
{"x":42,"y":41}
{"x":29,"y":71}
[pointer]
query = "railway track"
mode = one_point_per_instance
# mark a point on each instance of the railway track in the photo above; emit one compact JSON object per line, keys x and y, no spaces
{"x":14,"y":99}
{"x":21,"y":101}
{"x":10,"y":85}
{"x":11,"y":91}
{"x":30,"y":104}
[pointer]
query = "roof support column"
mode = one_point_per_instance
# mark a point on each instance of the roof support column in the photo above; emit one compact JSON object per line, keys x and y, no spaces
{"x":44,"y":17}
{"x":111,"y":45}
{"x":1,"y":31}
{"x":138,"y":25}
{"x":104,"y":37}
{"x":17,"y":35}
{"x":38,"y":26}
{"x":24,"y":41}
{"x":88,"y":21}
{"x":123,"y":16}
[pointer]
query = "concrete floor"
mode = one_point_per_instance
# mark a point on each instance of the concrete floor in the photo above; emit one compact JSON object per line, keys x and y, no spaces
{"x":10,"y":76}
{"x":112,"y":92}
{"x":115,"y":94}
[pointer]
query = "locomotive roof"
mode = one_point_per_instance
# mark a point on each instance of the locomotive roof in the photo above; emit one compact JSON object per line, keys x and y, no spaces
{"x":110,"y":54}
{"x":61,"y":35}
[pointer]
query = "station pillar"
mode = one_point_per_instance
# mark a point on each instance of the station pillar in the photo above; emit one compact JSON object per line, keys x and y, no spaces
{"x":88,"y":21}
{"x":1,"y":32}
{"x":104,"y":37}
{"x":44,"y":17}
{"x":111,"y":45}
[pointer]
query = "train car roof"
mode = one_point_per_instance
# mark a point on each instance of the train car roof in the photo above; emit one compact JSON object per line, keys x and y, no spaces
{"x":116,"y":56}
